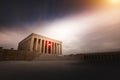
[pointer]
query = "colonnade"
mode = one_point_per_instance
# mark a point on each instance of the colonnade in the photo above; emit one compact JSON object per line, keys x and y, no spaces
{"x":45,"y":46}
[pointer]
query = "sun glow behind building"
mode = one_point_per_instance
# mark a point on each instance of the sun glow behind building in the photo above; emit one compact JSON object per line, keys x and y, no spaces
{"x":73,"y":29}
{"x":115,"y":2}
{"x":78,"y":31}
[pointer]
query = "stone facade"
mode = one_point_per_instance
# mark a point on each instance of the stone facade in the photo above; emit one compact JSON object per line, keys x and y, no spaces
{"x":41,"y":45}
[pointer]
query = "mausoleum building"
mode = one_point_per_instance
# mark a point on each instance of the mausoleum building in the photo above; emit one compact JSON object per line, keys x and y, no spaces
{"x":41,"y":44}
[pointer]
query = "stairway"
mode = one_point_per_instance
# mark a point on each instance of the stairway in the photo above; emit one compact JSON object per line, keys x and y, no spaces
{"x":52,"y":58}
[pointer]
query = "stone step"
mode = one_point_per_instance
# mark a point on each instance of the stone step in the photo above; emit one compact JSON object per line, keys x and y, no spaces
{"x":54,"y":58}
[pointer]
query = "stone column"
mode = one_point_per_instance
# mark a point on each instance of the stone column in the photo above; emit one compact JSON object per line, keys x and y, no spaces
{"x":36,"y":46}
{"x":57,"y":48}
{"x":51,"y":48}
{"x":60,"y":49}
{"x":44,"y":47}
{"x":47,"y":47}
{"x":40,"y":45}
{"x":31,"y":44}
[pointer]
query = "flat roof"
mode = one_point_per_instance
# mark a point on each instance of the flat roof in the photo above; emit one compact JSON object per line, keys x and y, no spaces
{"x":34,"y":34}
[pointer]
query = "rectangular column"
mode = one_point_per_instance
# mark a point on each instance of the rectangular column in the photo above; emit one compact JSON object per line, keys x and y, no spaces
{"x":40,"y":45}
{"x":51,"y":48}
{"x":56,"y":48}
{"x":36,"y":47}
{"x":60,"y":49}
{"x":44,"y":47}
{"x":31,"y":44}
{"x":47,"y":47}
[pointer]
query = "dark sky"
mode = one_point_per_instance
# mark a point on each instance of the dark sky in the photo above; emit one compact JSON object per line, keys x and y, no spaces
{"x":18,"y":12}
{"x":82,"y":25}
{"x":24,"y":11}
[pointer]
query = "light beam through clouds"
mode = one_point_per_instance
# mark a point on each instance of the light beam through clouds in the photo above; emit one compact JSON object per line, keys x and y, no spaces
{"x":96,"y":30}
{"x":74,"y":30}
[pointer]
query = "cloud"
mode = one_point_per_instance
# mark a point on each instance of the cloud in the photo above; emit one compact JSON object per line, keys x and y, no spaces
{"x":86,"y":32}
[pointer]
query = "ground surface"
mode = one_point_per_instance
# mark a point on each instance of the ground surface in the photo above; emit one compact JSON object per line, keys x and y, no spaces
{"x":57,"y":70}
